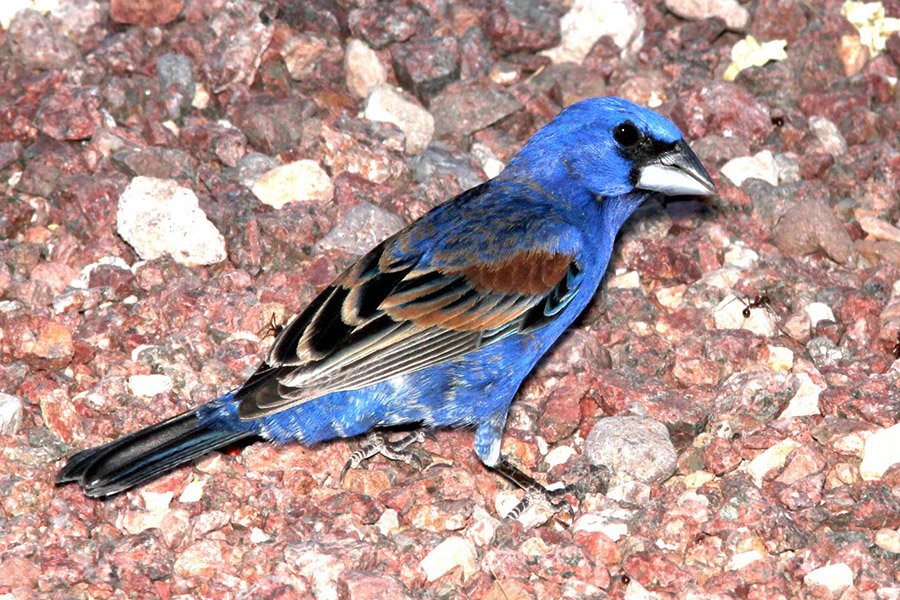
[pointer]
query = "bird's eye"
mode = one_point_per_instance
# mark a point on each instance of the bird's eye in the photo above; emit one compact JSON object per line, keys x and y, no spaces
{"x":626,"y":134}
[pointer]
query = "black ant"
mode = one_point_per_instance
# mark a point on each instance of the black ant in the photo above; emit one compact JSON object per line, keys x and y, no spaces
{"x":271,"y":328}
{"x":758,"y":302}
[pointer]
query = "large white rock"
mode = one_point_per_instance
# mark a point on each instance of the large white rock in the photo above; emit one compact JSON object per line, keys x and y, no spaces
{"x":158,"y":217}
{"x":835,"y":578}
{"x":589,"y":20}
{"x":449,"y":554}
{"x":299,"y":181}
{"x":363,"y":67}
{"x":417,"y":124}
{"x":882,"y":451}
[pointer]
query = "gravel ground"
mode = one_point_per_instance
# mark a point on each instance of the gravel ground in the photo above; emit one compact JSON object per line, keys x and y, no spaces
{"x":179,"y":174}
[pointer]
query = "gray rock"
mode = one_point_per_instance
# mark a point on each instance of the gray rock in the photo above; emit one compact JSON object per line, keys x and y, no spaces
{"x":252,"y":166}
{"x":35,"y":41}
{"x":463,"y":109}
{"x":439,"y":160}
{"x":175,"y":71}
{"x":809,"y":226}
{"x":362,"y":227}
{"x":633,"y":448}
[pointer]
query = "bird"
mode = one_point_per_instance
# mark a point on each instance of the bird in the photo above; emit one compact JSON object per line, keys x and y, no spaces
{"x":438,"y":325}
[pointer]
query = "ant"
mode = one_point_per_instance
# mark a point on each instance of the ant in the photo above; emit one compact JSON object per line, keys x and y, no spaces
{"x":896,"y":349}
{"x":271,"y":328}
{"x":760,"y":301}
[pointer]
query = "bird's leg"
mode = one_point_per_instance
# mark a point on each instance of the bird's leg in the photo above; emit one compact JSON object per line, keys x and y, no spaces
{"x":534,"y":491}
{"x":376,"y":443}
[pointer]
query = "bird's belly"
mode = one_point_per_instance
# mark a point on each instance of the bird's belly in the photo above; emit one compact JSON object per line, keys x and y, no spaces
{"x":468,"y":391}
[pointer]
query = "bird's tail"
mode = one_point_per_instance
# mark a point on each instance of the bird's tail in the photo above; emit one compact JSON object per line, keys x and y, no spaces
{"x":145,"y":455}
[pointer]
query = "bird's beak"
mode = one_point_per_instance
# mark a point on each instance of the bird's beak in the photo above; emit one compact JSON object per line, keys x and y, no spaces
{"x":676,"y":172}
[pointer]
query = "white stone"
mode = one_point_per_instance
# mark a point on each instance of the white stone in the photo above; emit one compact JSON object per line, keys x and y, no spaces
{"x":818,"y":311}
{"x":417,"y":124}
{"x":149,"y":385}
{"x":299,"y":181}
{"x":193,"y":492}
{"x":771,"y":458}
{"x":490,"y":164}
{"x":805,"y":401}
{"x":881,"y":452}
{"x":158,"y":217}
{"x":888,"y":539}
{"x":388,"y":523}
{"x":559,"y":456}
{"x":258,"y":536}
{"x":758,"y":166}
{"x":451,"y":553}
{"x":780,"y":358}
{"x":629,"y":280}
{"x":729,"y":314}
{"x":589,"y":20}
{"x":10,"y":8}
{"x":828,"y":135}
{"x":835,"y":578}
{"x":879,"y":229}
{"x":363,"y":67}
{"x":741,"y":560}
{"x":740,"y":256}
{"x":734,"y":15}
{"x":11,"y":409}
{"x":671,"y":297}
{"x":612,"y":522}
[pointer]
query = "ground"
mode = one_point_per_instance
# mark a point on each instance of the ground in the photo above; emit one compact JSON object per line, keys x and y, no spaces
{"x":179,"y":176}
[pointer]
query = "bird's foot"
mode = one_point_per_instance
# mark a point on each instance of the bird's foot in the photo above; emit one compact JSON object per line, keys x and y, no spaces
{"x":553,"y":496}
{"x":398,"y":450}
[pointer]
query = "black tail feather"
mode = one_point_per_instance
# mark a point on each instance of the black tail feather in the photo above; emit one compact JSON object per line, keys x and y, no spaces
{"x":144,"y":455}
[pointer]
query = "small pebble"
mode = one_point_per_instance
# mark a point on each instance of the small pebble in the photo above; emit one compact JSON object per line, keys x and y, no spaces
{"x":149,"y":385}
{"x":589,"y":20}
{"x":11,"y":409}
{"x":299,"y":181}
{"x":363,"y":67}
{"x":758,"y":166}
{"x":386,"y":104}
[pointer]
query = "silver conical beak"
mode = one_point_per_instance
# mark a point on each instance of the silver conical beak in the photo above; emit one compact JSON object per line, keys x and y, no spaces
{"x":677,"y":172}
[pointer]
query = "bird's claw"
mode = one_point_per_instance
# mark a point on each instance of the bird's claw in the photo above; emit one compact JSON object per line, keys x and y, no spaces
{"x":375,"y":443}
{"x":552,"y":496}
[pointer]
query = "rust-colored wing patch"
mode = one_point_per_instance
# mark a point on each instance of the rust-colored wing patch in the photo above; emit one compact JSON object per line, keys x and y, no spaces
{"x":531,"y":272}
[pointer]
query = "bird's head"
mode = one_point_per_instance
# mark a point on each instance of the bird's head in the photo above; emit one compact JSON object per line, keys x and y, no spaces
{"x":612,"y":147}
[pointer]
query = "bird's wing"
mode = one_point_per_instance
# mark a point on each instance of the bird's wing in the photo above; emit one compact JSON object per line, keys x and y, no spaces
{"x":388,"y":316}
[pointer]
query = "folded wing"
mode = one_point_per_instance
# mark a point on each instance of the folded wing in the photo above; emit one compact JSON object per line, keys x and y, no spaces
{"x":386,"y":317}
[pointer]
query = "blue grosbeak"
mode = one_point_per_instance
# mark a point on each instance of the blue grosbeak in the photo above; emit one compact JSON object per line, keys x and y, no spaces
{"x":440,"y":323}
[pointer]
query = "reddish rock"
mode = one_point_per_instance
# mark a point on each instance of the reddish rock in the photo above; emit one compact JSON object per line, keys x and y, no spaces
{"x":145,"y":13}
{"x":384,"y":23}
{"x":426,"y":66}
{"x":722,"y":109}
{"x":521,"y":26}
{"x":721,"y":456}
{"x":72,"y":113}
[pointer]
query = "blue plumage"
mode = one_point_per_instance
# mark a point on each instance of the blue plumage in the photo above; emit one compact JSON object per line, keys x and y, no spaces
{"x":440,"y":323}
